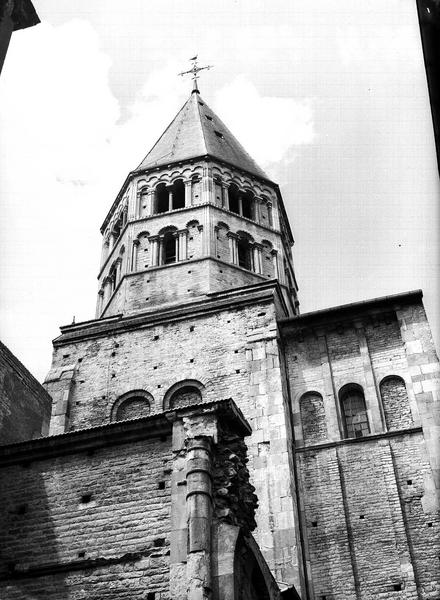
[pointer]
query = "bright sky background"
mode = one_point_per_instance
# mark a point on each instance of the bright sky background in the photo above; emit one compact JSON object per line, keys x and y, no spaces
{"x":329,"y":97}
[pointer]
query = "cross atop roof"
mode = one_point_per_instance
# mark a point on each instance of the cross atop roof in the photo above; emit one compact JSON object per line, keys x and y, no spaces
{"x":194,"y":71}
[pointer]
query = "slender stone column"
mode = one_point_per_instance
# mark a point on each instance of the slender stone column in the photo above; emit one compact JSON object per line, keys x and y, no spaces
{"x":150,"y":203}
{"x":188,"y":192}
{"x":170,"y":200}
{"x":202,"y":239}
{"x":99,"y":304}
{"x":154,"y":250}
{"x":233,"y":249}
{"x":269,"y":214}
{"x":111,"y":242}
{"x":105,"y":251}
{"x":216,"y":230}
{"x":182,"y":245}
{"x":134,"y":255}
{"x":276,"y":269}
{"x":257,"y":209}
{"x":225,"y":190}
{"x":258,"y":263}
{"x":107,"y":291}
{"x":124,"y":216}
{"x":240,"y":204}
{"x":119,"y":273}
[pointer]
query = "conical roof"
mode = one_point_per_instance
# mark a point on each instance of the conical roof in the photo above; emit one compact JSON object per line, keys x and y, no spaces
{"x":197,"y":131}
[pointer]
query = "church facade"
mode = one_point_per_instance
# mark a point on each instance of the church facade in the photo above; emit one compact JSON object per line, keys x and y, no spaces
{"x":209,"y":441}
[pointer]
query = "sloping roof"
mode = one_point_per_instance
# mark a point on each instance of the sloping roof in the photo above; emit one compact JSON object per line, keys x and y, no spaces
{"x":197,"y":131}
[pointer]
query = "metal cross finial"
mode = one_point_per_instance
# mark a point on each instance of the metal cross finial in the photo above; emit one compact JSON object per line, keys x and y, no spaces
{"x":194,"y":71}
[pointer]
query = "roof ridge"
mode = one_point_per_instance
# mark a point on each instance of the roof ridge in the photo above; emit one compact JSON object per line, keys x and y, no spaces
{"x":200,"y":118}
{"x":193,"y":133}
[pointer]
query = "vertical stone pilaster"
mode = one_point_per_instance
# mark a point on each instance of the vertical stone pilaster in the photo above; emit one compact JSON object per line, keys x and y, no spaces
{"x":206,"y":185}
{"x":59,"y":384}
{"x":188,"y":192}
{"x":372,"y":397}
{"x":202,"y":239}
{"x":132,"y":202}
{"x":182,"y":245}
{"x":276,"y":268}
{"x":256,"y":209}
{"x":270,"y":214}
{"x":99,"y":304}
{"x":105,"y":251}
{"x":225,"y":194}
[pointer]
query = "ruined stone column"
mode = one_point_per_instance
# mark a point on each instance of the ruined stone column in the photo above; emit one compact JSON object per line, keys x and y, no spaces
{"x":199,"y":512}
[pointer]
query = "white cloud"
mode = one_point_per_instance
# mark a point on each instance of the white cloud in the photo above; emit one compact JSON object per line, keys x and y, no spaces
{"x":266,"y":126}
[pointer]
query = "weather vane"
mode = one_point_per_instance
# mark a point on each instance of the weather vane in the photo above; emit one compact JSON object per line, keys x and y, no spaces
{"x":194,"y":71}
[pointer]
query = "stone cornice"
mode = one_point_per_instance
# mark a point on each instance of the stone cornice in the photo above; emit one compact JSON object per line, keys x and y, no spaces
{"x":210,"y":303}
{"x":363,"y":440}
{"x":94,"y":438}
{"x":338,"y":314}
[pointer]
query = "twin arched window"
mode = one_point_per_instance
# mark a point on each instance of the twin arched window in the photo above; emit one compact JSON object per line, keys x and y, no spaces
{"x":169,"y":197}
{"x":138,"y":403}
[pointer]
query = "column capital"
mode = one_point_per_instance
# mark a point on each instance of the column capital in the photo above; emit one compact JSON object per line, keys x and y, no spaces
{"x":136,"y":242}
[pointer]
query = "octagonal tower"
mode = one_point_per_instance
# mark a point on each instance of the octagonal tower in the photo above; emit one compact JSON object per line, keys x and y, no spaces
{"x":197,"y":216}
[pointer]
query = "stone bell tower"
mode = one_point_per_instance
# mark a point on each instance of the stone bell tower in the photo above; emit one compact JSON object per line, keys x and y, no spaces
{"x":197,"y":216}
{"x":196,"y":269}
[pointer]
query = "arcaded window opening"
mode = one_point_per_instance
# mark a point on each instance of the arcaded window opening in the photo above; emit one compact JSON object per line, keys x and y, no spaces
{"x":246,"y":203}
{"x":162,"y":198}
{"x":234,"y":203}
{"x":169,"y":248}
{"x":244,"y":254}
{"x":354,"y":412}
{"x":178,"y":191}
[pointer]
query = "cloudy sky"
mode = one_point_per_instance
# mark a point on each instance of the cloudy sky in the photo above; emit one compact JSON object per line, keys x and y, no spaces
{"x":329,"y":97}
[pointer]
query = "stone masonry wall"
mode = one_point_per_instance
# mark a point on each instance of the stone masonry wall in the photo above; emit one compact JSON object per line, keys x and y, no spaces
{"x":25,"y":405}
{"x":231,"y":353}
{"x":87,"y":525}
{"x":368,"y":535}
{"x":369,"y":507}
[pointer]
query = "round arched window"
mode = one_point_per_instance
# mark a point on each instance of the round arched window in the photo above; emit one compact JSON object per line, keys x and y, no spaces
{"x":185,"y":396}
{"x":133,"y":407}
{"x":354,"y":412}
